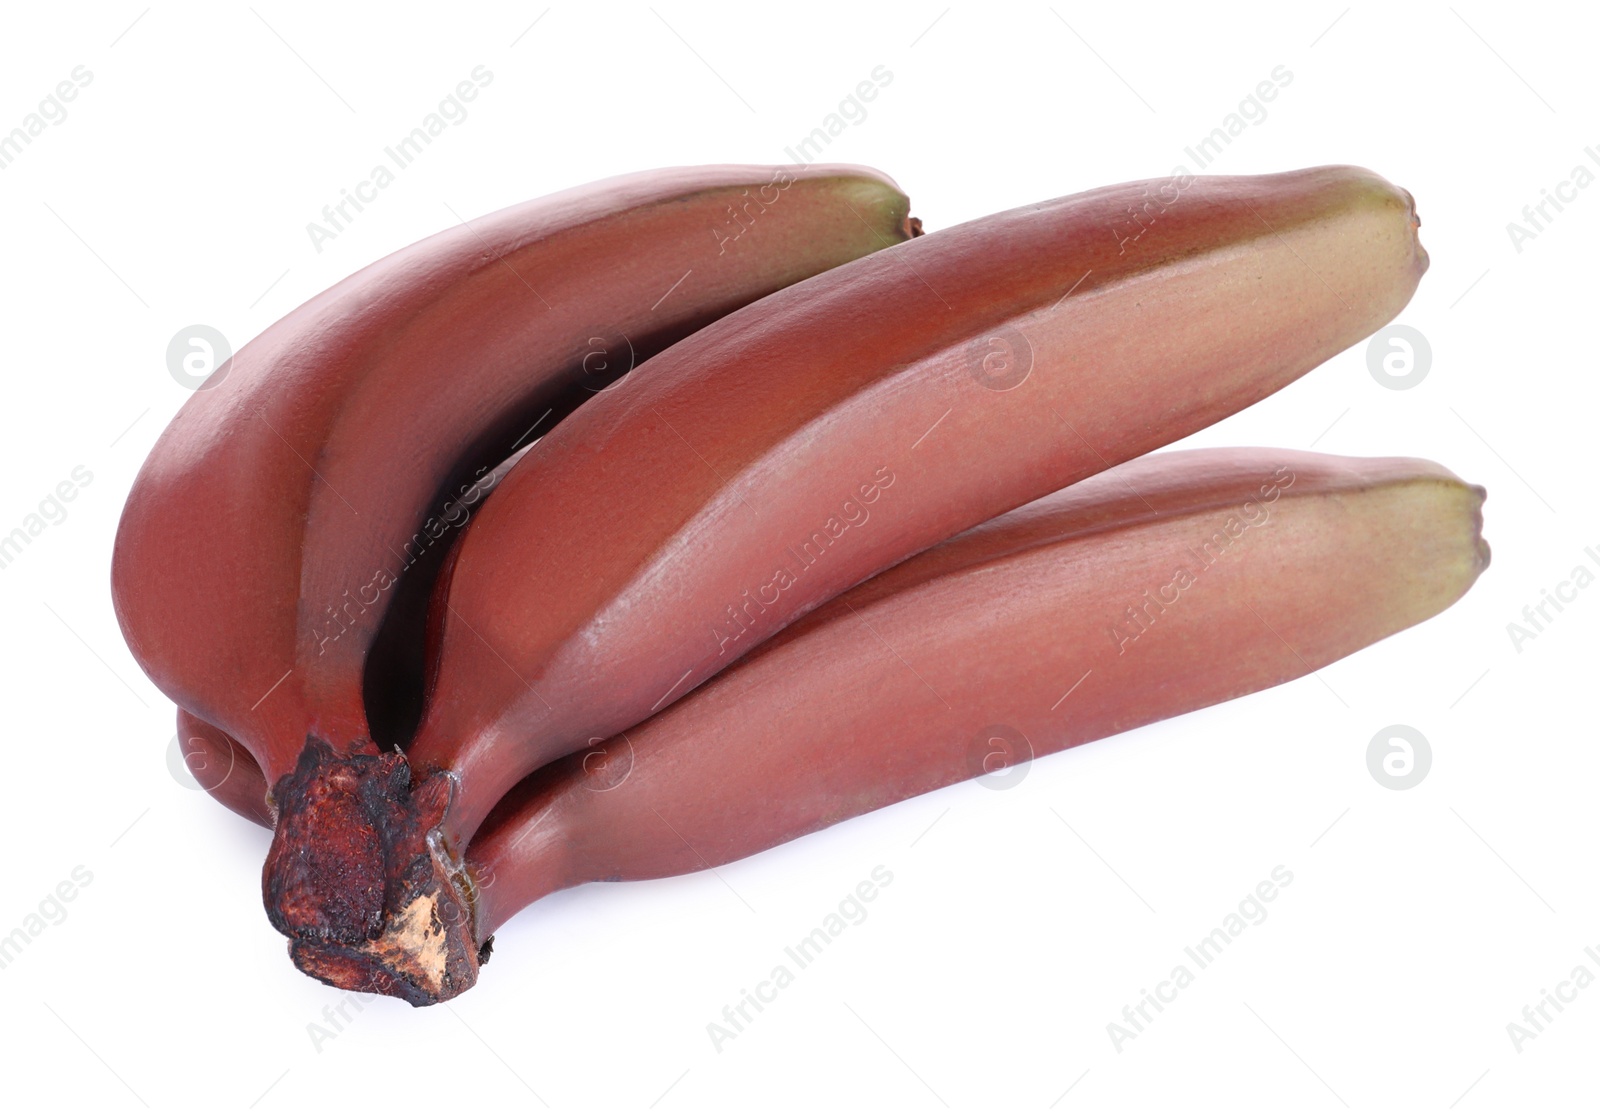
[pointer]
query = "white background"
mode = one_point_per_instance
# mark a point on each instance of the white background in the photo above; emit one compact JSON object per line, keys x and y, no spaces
{"x":1419,"y":923}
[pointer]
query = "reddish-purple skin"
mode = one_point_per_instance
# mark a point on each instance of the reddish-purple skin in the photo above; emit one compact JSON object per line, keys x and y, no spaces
{"x":957,"y":662}
{"x":1140,"y":312}
{"x":324,"y":452}
{"x":620,"y":563}
{"x":604,"y":579}
{"x":900,"y":685}
{"x":321,"y":451}
{"x":224,"y":768}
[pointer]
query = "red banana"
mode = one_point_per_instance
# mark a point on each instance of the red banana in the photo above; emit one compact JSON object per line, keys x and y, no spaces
{"x":1165,"y":585}
{"x":325,"y":451}
{"x":792,"y":449}
{"x":393,"y":698}
{"x":224,"y":768}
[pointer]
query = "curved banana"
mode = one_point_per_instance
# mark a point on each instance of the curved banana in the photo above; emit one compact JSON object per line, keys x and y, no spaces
{"x":1171,"y":583}
{"x":328,"y":452}
{"x":796,"y":447}
{"x":224,"y":768}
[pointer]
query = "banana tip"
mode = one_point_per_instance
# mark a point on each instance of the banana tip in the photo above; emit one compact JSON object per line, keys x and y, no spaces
{"x":1423,"y":260}
{"x":1483,"y":552}
{"x":1411,"y":203}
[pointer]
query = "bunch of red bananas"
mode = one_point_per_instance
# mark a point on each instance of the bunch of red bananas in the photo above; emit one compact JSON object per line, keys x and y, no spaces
{"x":590,"y":541}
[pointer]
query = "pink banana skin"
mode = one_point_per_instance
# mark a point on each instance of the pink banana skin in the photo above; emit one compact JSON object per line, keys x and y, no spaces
{"x":941,"y":381}
{"x":874,"y":374}
{"x":227,"y":771}
{"x":323,"y":452}
{"x":935,"y":670}
{"x":224,"y":769}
